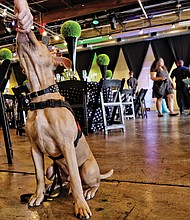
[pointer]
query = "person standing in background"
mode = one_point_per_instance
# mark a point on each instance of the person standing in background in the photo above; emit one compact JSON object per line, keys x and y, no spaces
{"x":23,"y":16}
{"x":162,"y":86}
{"x":182,"y":90}
{"x":132,"y":83}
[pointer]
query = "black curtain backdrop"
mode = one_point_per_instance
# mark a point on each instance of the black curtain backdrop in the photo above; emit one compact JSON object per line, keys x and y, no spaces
{"x":170,"y":48}
{"x":161,"y":48}
{"x":20,"y":77}
{"x":134,"y":55}
{"x":113,"y":53}
{"x":180,"y":45}
{"x":84,"y":61}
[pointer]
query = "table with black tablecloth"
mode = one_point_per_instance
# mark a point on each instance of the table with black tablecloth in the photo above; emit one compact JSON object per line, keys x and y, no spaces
{"x":94,"y":112}
{"x":94,"y":108}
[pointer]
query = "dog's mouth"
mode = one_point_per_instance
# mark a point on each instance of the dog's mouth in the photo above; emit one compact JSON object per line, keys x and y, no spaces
{"x":26,"y":39}
{"x":26,"y":47}
{"x":22,"y":38}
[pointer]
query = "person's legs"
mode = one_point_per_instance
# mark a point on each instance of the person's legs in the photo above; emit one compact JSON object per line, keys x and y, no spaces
{"x":159,"y":106}
{"x":180,"y":100}
{"x":170,"y":98}
{"x":164,"y":106}
{"x":187,"y":99}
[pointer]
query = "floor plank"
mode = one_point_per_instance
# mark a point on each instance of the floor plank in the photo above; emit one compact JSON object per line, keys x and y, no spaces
{"x":151,"y":179}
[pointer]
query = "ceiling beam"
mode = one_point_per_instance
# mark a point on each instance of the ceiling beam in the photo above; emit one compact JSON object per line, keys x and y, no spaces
{"x":67,"y":3}
{"x":88,"y":8}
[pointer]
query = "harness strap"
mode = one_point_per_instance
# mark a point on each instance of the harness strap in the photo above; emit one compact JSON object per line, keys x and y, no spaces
{"x":50,"y":89}
{"x":79,"y":135}
{"x":50,"y":103}
{"x":56,"y":158}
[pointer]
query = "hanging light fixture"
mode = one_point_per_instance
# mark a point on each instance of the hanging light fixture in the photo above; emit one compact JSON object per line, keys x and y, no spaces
{"x":44,"y":33}
{"x":8,"y":26}
{"x":113,"y":23}
{"x":112,"y":20}
{"x":56,"y":37}
{"x":95,"y":21}
{"x":4,"y":14}
{"x":141,"y":32}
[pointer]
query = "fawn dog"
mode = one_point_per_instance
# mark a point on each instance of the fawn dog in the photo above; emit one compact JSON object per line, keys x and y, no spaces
{"x":52,"y":130}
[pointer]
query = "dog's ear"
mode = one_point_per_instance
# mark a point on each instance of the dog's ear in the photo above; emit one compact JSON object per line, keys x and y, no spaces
{"x":63,"y":61}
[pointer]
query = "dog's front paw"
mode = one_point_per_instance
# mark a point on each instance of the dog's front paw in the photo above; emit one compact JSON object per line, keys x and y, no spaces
{"x":35,"y":200}
{"x":82,"y":210}
{"x":90,"y":192}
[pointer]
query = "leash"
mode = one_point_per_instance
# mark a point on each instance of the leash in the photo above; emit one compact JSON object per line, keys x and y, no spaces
{"x":56,"y":171}
{"x":24,"y":198}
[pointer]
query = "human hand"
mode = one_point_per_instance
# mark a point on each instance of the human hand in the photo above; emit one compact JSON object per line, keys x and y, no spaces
{"x":162,"y":78}
{"x":173,"y":86}
{"x":23,"y":16}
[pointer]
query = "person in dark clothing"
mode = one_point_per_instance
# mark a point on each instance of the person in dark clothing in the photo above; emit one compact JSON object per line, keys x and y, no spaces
{"x":182,"y":90}
{"x":162,"y":86}
{"x":132,"y":83}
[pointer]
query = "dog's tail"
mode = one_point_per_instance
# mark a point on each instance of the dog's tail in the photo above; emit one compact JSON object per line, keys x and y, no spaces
{"x":106,"y":175}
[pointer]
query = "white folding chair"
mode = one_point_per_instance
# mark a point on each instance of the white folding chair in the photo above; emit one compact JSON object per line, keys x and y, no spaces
{"x":140,"y":104}
{"x":128,"y":103}
{"x":111,"y":103}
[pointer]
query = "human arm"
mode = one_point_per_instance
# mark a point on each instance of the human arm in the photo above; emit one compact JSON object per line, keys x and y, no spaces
{"x":23,"y":16}
{"x":156,"y":78}
{"x":136,"y":86}
{"x":128,"y":84}
{"x":188,"y":72}
{"x":171,"y":78}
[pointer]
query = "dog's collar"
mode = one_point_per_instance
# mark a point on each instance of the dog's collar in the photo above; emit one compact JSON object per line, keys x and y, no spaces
{"x":51,"y":89}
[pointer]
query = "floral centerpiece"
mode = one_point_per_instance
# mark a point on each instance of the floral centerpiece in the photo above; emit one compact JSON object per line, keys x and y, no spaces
{"x":71,"y":31}
{"x":103,"y":61}
{"x":5,"y":54}
{"x":108,"y":74}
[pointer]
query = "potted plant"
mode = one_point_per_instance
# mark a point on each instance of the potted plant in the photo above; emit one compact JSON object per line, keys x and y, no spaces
{"x":108,"y":74}
{"x":5,"y":54}
{"x":103,"y":61}
{"x":71,"y":31}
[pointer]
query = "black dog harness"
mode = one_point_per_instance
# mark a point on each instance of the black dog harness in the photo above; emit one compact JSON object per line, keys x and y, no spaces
{"x":53,"y":103}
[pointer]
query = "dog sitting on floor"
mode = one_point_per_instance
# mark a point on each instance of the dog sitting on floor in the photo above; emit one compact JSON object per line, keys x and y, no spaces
{"x":53,"y":131}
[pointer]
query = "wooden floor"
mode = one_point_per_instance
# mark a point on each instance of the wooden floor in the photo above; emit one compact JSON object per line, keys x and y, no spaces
{"x":151,"y":179}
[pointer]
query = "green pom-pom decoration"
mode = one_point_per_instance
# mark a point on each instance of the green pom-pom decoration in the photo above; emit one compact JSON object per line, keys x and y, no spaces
{"x":70,"y":29}
{"x":103,"y":59}
{"x":108,"y":74}
{"x":25,"y":82}
{"x":5,"y":54}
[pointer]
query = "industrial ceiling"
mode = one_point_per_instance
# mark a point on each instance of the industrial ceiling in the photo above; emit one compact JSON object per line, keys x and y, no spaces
{"x":117,"y":19}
